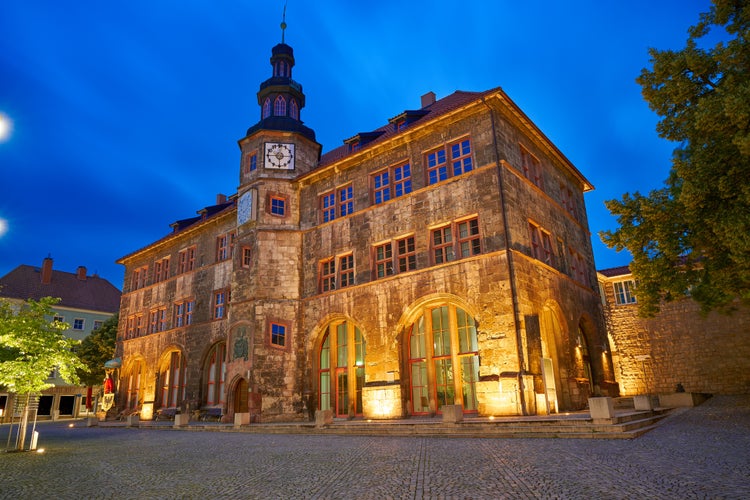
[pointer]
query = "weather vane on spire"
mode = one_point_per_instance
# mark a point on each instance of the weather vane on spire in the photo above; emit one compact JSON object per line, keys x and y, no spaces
{"x":283,"y":23}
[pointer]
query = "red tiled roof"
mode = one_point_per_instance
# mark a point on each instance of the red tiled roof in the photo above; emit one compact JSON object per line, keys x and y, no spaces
{"x":93,"y":293}
{"x":434,"y":110}
{"x":615,"y":271}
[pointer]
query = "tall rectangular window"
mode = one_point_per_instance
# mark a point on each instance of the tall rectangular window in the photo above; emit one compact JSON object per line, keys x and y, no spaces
{"x":531,"y":167}
{"x":624,"y":292}
{"x":383,"y":260}
{"x":161,"y":270}
{"x":328,"y":206}
{"x":578,"y":267}
{"x":346,"y":270}
{"x":451,"y":160}
{"x":568,"y":201}
{"x":407,"y":256}
{"x":220,"y":304}
{"x":381,"y":187}
{"x":78,"y":324}
{"x":278,"y":206}
{"x":251,"y":162}
{"x":247,"y":256}
{"x":186,"y":260}
{"x":140,"y":275}
{"x":327,"y":275}
{"x":222,"y":247}
{"x":442,"y":245}
{"x":541,"y":245}
{"x":468,"y":238}
{"x":345,"y":200}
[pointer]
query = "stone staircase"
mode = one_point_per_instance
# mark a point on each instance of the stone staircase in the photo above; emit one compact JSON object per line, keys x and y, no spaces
{"x":626,"y":424}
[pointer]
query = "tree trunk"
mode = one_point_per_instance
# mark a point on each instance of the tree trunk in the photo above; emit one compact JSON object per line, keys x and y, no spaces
{"x":24,"y":424}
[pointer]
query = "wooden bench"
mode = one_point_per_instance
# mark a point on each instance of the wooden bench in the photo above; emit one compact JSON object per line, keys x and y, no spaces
{"x":165,"y":414}
{"x":213,"y":413}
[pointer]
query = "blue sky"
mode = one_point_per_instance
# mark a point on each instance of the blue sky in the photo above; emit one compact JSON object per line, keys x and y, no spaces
{"x":126,"y":115}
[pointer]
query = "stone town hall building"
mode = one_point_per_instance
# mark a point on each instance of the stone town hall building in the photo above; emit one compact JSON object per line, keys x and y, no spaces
{"x":442,"y":259}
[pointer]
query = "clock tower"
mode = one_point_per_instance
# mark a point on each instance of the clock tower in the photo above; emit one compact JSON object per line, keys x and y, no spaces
{"x":266,"y":278}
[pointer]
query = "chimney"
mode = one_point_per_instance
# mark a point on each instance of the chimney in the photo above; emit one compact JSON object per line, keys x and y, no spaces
{"x":47,"y":270}
{"x":427,"y":99}
{"x":221,"y":198}
{"x":81,"y":273}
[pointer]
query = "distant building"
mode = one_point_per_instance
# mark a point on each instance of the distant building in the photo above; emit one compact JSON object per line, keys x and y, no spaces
{"x":702,"y":353}
{"x":86,"y":302}
{"x":441,"y":259}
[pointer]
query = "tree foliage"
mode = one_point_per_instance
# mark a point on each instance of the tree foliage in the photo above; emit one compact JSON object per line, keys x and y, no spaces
{"x":32,"y":346}
{"x":97,"y":349}
{"x":693,"y":235}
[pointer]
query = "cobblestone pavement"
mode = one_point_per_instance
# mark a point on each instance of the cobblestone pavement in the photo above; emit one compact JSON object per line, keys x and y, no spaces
{"x":703,"y":452}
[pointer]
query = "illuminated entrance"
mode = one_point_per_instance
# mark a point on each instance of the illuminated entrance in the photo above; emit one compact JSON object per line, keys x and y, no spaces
{"x":443,"y":360}
{"x":341,"y":372}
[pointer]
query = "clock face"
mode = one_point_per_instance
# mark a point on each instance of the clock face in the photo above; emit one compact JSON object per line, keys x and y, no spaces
{"x":245,"y":208}
{"x":279,"y":156}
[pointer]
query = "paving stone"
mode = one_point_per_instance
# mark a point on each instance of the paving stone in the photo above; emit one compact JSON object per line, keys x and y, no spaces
{"x":697,"y":453}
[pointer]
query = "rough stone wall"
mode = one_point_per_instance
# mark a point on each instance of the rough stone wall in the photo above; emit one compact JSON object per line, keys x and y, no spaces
{"x":192,"y":341}
{"x":708,"y":354}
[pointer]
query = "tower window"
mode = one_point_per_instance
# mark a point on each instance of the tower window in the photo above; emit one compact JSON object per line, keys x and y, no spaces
{"x":294,"y":109}
{"x":267,"y":108}
{"x":279,"y":106}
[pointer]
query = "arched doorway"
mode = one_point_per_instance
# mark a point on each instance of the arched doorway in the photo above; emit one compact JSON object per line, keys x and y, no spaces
{"x":131,"y":384}
{"x":443,"y":360}
{"x":239,"y":397}
{"x":583,"y":359}
{"x":341,"y":369}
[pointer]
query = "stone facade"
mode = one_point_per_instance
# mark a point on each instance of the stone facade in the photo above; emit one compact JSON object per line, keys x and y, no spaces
{"x":703,"y":353}
{"x":442,"y":259}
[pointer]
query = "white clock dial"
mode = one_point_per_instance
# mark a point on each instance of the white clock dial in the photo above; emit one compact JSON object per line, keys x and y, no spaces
{"x":279,"y":156}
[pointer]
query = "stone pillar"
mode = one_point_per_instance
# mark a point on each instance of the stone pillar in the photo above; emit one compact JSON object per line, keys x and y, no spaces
{"x":241,"y":419}
{"x":181,"y":419}
{"x":602,"y":408}
{"x":452,"y":413}
{"x":642,"y":403}
{"x":323,"y":418}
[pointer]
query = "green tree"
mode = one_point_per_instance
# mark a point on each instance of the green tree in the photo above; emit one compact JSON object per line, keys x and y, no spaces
{"x":31,"y":347}
{"x":693,"y":235}
{"x":97,"y":349}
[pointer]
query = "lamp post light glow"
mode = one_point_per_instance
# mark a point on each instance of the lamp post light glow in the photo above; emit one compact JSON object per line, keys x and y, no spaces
{"x":6,"y":126}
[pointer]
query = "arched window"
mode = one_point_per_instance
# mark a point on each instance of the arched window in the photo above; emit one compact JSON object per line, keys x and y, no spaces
{"x":171,"y":380}
{"x":443,"y":360}
{"x":282,"y":68}
{"x":294,"y":109}
{"x":582,"y":349}
{"x":267,"y":108}
{"x":214,"y":375}
{"x":341,"y":369}
{"x":279,"y":106}
{"x":133,"y":385}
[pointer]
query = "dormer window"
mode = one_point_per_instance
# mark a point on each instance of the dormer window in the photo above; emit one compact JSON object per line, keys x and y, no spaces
{"x":399,"y":125}
{"x":267,"y":108}
{"x":294,"y":109}
{"x":354,"y":146}
{"x":279,"y":106}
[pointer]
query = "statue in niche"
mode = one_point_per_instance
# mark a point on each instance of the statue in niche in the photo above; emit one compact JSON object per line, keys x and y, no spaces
{"x":241,"y":344}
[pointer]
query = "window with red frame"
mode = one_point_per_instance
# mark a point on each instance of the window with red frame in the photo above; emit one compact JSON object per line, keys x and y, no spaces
{"x":278,"y":333}
{"x":469,"y":242}
{"x":186,"y":260}
{"x":346,"y":270}
{"x":541,"y":245}
{"x":278,"y":206}
{"x":221,"y":298}
{"x":247,"y":256}
{"x":451,"y":160}
{"x":406,"y":254}
{"x":442,"y":245}
{"x":446,"y":247}
{"x":383,"y":255}
{"x":532,"y":168}
{"x":390,"y":183}
{"x":139,"y":277}
{"x":161,"y":270}
{"x":327,"y":275}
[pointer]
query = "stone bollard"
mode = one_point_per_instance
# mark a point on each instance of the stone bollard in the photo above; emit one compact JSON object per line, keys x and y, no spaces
{"x":323,"y":418}
{"x":602,"y":409}
{"x":132,"y":421}
{"x":642,"y":403}
{"x":241,"y":419}
{"x":92,"y":422}
{"x":181,"y":419}
{"x":452,"y":414}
